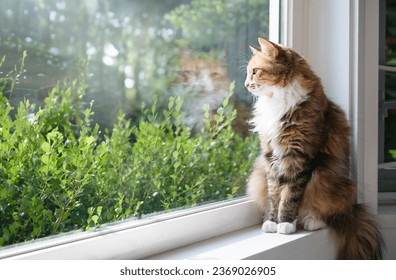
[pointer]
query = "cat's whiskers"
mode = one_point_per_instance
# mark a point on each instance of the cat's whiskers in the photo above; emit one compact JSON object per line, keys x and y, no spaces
{"x":242,"y":68}
{"x":243,"y":61}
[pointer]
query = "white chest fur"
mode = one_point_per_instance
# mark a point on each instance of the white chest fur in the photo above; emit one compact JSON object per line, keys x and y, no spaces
{"x":272,"y":103}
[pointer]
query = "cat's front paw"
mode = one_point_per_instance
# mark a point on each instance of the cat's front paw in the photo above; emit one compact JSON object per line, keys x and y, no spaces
{"x":286,"y":228}
{"x":269,"y":226}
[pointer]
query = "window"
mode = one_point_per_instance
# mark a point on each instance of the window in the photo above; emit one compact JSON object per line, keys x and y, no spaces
{"x":387,"y":97}
{"x":68,"y":163}
{"x":349,"y":26}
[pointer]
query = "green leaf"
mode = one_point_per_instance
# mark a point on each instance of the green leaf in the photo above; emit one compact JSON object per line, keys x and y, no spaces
{"x":177,"y":165}
{"x":231,"y":88}
{"x":89,"y":140}
{"x":99,"y":210}
{"x":95,"y":219}
{"x":46,"y":147}
{"x":90,"y":210}
{"x":45,"y":159}
{"x":171,"y":103}
{"x":225,"y":102}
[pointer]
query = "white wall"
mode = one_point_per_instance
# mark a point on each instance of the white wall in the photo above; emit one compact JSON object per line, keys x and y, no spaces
{"x":320,"y":31}
{"x":328,"y":47}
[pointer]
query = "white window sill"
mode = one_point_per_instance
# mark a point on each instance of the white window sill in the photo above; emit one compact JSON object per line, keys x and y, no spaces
{"x":251,"y":243}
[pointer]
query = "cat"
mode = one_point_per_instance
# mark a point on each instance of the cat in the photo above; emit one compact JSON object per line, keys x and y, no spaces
{"x":202,"y":80}
{"x":302,"y":176}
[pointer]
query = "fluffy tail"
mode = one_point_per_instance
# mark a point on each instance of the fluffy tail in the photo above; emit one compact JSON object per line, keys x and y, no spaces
{"x":357,"y":234}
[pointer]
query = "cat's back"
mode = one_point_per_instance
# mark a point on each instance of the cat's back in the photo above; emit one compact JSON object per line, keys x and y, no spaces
{"x":336,"y":135}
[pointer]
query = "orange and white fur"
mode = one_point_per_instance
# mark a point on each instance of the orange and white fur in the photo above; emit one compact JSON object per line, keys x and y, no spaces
{"x":302,"y":176}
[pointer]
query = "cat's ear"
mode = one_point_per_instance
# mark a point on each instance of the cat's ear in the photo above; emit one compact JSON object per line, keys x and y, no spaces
{"x":254,"y":49}
{"x":269,"y":48}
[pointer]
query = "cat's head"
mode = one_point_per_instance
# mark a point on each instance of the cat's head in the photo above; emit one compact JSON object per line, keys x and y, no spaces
{"x":270,"y":66}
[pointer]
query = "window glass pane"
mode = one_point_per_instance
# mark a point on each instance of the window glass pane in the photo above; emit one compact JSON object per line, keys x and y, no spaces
{"x":387,"y":170}
{"x":390,"y":50}
{"x":106,"y":139}
{"x":390,"y":136}
{"x":390,"y":86}
{"x":387,"y":105}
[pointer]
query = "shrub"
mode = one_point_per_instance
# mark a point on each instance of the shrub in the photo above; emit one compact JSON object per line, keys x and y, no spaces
{"x":59,"y":172}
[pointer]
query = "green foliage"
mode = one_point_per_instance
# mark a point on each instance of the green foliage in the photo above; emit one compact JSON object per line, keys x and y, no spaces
{"x":217,"y":23}
{"x":57,"y":174}
{"x":134,"y":48}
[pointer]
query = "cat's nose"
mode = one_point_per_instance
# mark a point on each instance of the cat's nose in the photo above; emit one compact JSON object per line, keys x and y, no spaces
{"x":250,"y":85}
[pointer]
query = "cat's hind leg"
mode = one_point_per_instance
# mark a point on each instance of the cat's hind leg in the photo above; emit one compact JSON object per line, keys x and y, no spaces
{"x":311,"y":223}
{"x":257,"y":186}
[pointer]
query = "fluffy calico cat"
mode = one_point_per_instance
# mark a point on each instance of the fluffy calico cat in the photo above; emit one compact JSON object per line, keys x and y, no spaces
{"x":302,"y":176}
{"x":203,"y":80}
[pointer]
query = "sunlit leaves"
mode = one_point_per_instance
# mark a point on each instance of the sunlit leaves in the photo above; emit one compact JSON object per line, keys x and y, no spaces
{"x":59,"y":172}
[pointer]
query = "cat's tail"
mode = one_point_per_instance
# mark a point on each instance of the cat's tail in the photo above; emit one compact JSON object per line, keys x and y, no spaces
{"x":357,"y":234}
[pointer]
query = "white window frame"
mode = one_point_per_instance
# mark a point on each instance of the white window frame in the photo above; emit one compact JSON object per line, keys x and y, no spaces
{"x":301,"y":30}
{"x":364,"y":105}
{"x":345,"y":33}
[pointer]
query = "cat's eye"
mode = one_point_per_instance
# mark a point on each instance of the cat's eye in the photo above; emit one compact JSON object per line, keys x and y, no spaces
{"x":254,"y":71}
